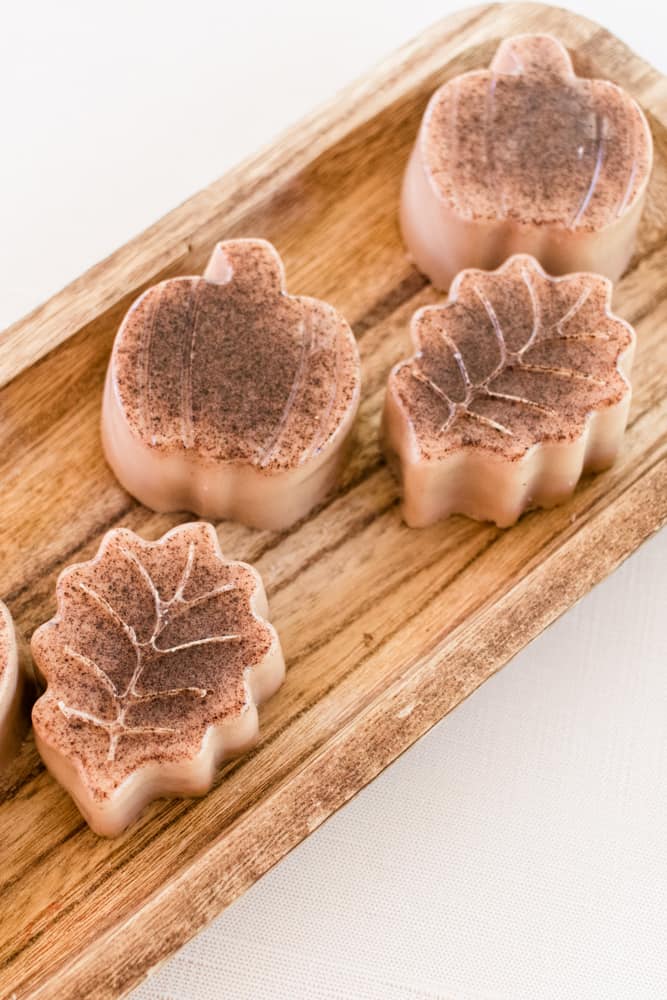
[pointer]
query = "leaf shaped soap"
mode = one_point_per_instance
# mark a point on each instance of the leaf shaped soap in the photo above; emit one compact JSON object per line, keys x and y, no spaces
{"x":526,"y":156}
{"x":519,"y":383}
{"x":154,"y":664}
{"x":229,"y":397}
{"x":16,"y":688}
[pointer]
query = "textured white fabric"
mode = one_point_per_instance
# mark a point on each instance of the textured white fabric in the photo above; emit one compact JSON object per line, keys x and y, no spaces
{"x":519,"y":851}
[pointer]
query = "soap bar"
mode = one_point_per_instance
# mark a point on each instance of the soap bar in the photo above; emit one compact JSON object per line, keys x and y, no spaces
{"x":15,"y":688}
{"x":526,"y":157}
{"x":227,"y":396}
{"x":155,"y":663}
{"x":518,"y":384}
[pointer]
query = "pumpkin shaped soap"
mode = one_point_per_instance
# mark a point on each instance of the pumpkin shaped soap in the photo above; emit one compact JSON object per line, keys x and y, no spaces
{"x":227,"y":396}
{"x":526,"y":157}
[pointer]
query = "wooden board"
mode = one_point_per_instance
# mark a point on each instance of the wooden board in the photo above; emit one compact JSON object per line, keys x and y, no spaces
{"x":385,"y":629}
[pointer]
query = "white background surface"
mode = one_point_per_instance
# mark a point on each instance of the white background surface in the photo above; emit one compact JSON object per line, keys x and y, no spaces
{"x":519,"y":851}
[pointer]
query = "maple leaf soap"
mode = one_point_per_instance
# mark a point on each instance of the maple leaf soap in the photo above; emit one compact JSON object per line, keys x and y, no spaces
{"x":15,"y":688}
{"x":227,"y":396}
{"x":155,"y":663}
{"x":519,"y":383}
{"x":526,"y":157}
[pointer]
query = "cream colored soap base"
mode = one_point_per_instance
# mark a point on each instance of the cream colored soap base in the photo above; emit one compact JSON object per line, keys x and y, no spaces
{"x":154,"y":665}
{"x":518,"y":385}
{"x":229,"y":397}
{"x":15,"y":688}
{"x":526,"y":157}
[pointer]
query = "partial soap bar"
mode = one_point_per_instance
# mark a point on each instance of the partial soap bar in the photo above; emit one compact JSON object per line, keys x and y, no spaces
{"x":155,"y":663}
{"x":526,"y":157}
{"x":519,"y":383}
{"x":16,"y":688}
{"x":228,"y":397}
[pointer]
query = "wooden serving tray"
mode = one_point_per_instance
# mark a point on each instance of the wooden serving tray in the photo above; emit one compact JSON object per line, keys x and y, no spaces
{"x":385,"y":629}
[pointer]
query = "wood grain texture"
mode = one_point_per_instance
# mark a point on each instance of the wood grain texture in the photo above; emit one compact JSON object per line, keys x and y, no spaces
{"x":384,"y":628}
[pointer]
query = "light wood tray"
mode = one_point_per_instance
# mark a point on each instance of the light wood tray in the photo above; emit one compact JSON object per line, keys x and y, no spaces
{"x":384,"y":629}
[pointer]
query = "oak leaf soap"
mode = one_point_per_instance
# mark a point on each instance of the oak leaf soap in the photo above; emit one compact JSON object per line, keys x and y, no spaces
{"x":519,"y":383}
{"x":155,"y":663}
